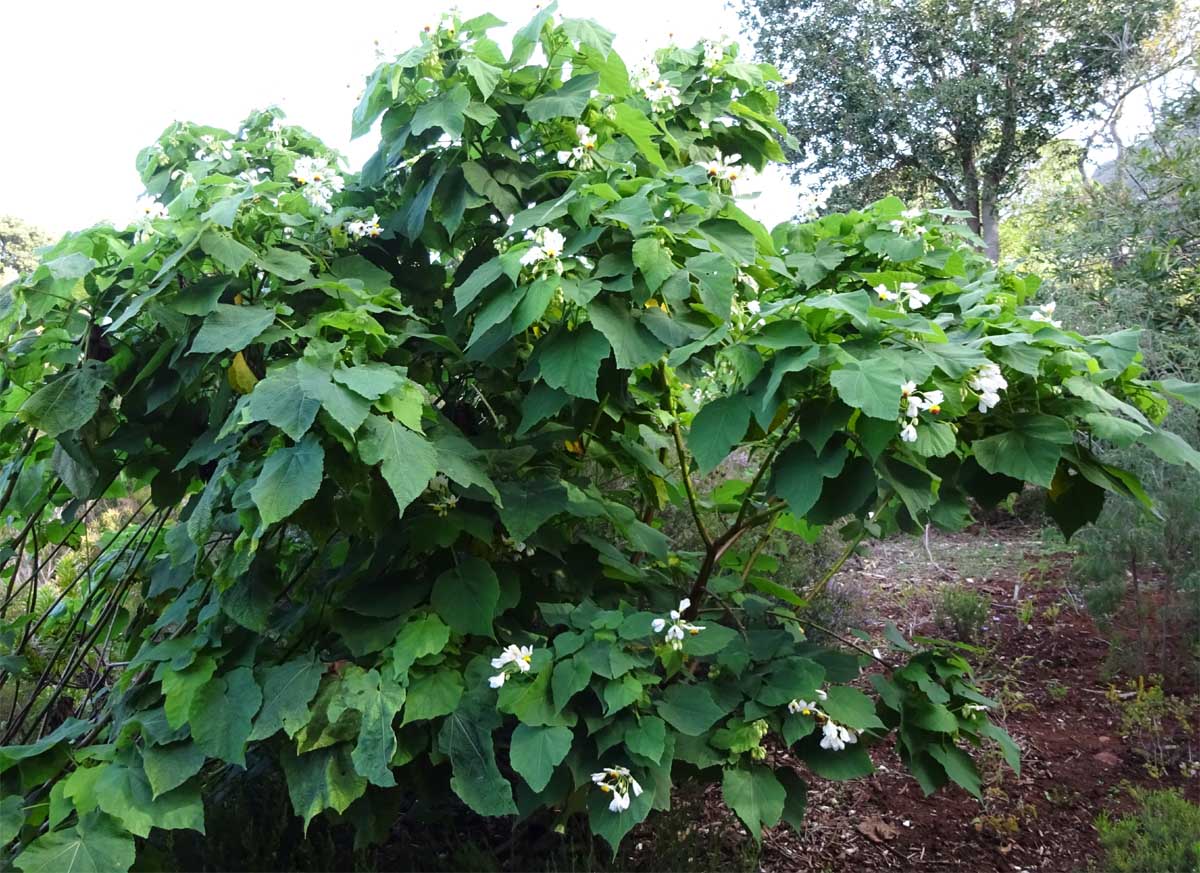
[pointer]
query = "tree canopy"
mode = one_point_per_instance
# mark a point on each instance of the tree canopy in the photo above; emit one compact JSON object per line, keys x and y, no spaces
{"x":958,"y":95}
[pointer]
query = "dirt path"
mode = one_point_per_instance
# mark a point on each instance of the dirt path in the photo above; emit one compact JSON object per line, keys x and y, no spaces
{"x":1049,"y":677}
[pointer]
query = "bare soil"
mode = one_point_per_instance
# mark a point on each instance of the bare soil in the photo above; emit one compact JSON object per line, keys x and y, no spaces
{"x":1052,"y":679}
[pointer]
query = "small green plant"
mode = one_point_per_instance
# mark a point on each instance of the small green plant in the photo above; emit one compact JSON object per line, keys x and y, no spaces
{"x":1025,"y":612}
{"x":961,"y":612}
{"x":1057,"y":690}
{"x":1149,"y":717}
{"x":1160,"y":835}
{"x":1052,"y":612}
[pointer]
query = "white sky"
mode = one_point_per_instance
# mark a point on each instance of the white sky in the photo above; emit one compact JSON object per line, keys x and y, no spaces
{"x":88,"y":84}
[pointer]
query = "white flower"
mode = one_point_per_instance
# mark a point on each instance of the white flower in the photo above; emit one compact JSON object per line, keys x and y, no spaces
{"x":908,"y":388}
{"x":933,"y":400}
{"x":213,"y":149}
{"x":896,"y":225}
{"x":318,"y":181}
{"x":803,"y":707}
{"x":676,"y":628}
{"x":581,"y":155}
{"x":821,"y":695}
{"x":661,"y":93}
{"x":886,"y":295}
{"x":548,"y":248}
{"x":714,"y":53}
{"x":723,"y":167}
{"x":149,"y":210}
{"x":988,"y":382}
{"x":836,"y":737}
{"x":753,"y":307}
{"x":910,"y":214}
{"x":908,"y":433}
{"x":519,"y":656}
{"x":618,"y":782}
{"x":920,"y":230}
{"x":1045,"y":314}
{"x":972,"y":708}
{"x":369,"y":227}
{"x":913,"y":295}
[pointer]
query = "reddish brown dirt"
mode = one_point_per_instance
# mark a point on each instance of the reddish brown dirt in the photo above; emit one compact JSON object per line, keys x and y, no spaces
{"x":1050,"y":677}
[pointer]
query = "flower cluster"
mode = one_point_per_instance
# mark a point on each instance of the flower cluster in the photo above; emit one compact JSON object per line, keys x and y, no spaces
{"x":367,"y":227}
{"x":988,"y":382}
{"x":580,"y":157}
{"x":318,"y":181}
{"x":444,"y":499}
{"x":546,"y":250}
{"x":835,"y":737}
{"x":148,"y":211}
{"x":1045,"y":314}
{"x":909,"y":293}
{"x":915,"y":402}
{"x":519,"y":548}
{"x":714,"y":53}
{"x":518,"y":657}
{"x":618,"y":782}
{"x":676,"y":627}
{"x":899,"y":225}
{"x":661,"y":93}
{"x":723,"y":167}
{"x":213,"y":149}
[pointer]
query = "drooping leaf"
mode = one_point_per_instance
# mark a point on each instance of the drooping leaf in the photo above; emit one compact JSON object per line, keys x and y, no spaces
{"x":536,"y":751}
{"x":755,"y":795}
{"x":290,"y":477}
{"x":407,"y":460}
{"x":466,"y":597}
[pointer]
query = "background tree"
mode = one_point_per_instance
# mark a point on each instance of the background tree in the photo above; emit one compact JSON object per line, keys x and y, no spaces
{"x":18,"y":241}
{"x":959,"y":93}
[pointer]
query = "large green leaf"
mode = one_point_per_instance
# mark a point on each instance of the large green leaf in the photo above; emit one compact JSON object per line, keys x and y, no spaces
{"x":124,"y":792}
{"x":230,"y":328}
{"x":715,"y":273}
{"x":631,"y":122}
{"x":290,"y":477}
{"x":407,"y":460}
{"x":424,"y":635}
{"x":433,"y":695}
{"x":466,"y":739}
{"x":169,"y":766}
{"x":755,"y":795}
{"x":798,"y":474}
{"x":95,"y":845}
{"x":466,"y":596}
{"x":378,"y":700}
{"x":569,"y":100}
{"x":716,"y":429}
{"x":536,"y":751}
{"x":281,"y":399}
{"x":872,"y":385}
{"x":222,"y":713}
{"x":287,"y":689}
{"x":690,"y":709}
{"x":632,"y":343}
{"x":444,"y":111}
{"x":67,"y":403}
{"x":1029,"y":452}
{"x":320,"y":780}
{"x":571,"y":360}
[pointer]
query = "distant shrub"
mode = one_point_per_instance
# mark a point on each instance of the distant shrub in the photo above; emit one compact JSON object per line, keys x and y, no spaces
{"x":1162,"y":835}
{"x":961,"y":612}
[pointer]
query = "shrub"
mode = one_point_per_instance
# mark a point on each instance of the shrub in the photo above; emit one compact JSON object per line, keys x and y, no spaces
{"x":1160,"y":835}
{"x":408,"y":438}
{"x":961,"y":612}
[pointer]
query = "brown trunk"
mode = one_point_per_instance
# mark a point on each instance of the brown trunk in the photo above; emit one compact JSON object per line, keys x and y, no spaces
{"x":989,"y":221}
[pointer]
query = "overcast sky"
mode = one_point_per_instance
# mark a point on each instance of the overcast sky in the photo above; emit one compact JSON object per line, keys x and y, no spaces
{"x":88,"y":84}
